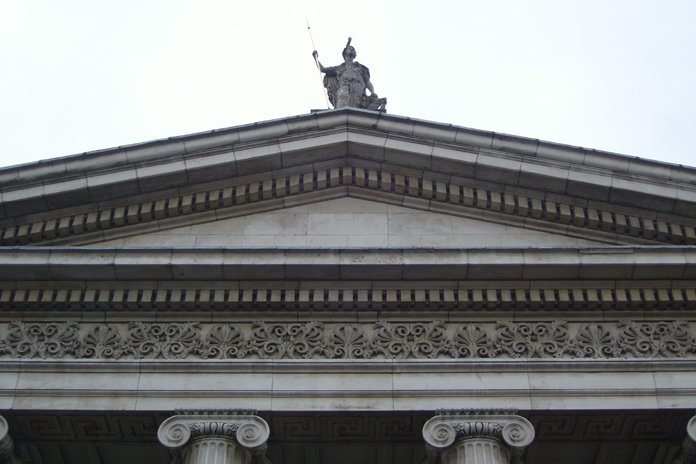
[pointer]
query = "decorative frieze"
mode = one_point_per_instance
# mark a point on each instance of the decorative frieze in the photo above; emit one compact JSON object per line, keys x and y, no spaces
{"x":238,"y":199}
{"x":168,"y":341}
{"x":275,"y":341}
{"x":43,"y":340}
{"x":555,"y":339}
{"x":418,"y":297}
{"x":418,"y":340}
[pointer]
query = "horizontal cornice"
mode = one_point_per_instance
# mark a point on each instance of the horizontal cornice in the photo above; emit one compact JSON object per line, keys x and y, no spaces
{"x":347,"y":366}
{"x":57,"y":263}
{"x":451,"y":300}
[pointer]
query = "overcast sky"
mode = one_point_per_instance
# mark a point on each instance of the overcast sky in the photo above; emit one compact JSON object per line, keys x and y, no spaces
{"x":607,"y":74}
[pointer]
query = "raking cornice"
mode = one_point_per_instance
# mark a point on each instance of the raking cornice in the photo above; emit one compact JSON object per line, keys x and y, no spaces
{"x":284,"y":143}
{"x":390,"y":184}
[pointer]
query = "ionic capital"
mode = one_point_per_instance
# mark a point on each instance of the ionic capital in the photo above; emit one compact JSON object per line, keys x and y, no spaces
{"x":249,"y":431}
{"x":688,"y":450}
{"x":6,"y":443}
{"x":443,"y":431}
{"x":7,"y":454}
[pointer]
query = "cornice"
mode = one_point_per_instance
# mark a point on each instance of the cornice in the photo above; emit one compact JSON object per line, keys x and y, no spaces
{"x":283,"y":143}
{"x":410,"y":188}
{"x":65,"y":263}
{"x":346,"y":301}
{"x":412,"y":127}
{"x":348,"y":366}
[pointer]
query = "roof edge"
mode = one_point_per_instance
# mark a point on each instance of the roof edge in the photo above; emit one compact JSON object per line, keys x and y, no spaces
{"x":194,"y":143}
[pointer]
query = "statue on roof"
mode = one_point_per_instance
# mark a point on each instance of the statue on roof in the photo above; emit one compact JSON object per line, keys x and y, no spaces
{"x":346,"y":83}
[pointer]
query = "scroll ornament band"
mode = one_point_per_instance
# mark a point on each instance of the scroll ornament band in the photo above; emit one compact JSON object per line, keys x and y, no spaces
{"x":382,"y":339}
{"x":250,"y":432}
{"x":442,"y":431}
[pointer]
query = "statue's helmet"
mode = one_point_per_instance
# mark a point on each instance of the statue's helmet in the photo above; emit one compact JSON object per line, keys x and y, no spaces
{"x":345,"y":50}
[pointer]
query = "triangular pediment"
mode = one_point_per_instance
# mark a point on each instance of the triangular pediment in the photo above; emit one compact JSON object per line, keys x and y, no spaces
{"x":350,"y":222}
{"x":521,"y":184}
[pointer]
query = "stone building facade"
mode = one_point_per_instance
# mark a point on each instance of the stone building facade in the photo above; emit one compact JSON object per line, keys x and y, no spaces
{"x":348,"y":286}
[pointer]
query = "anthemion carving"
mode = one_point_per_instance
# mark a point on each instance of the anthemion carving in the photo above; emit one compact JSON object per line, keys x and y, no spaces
{"x":387,"y":340}
{"x":168,"y":341}
{"x":215,"y":438}
{"x":43,"y":340}
{"x":410,"y":340}
{"x":488,"y":438}
{"x":286,"y":340}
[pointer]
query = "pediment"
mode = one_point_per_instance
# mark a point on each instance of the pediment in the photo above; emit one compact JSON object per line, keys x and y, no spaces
{"x":527,"y":184}
{"x":350,"y":222}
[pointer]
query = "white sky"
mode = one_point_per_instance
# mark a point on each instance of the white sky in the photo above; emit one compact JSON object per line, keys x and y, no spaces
{"x":608,"y":74}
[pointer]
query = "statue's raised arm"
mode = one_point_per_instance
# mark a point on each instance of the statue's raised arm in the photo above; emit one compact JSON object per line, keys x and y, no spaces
{"x":346,"y":83}
{"x":323,"y":69}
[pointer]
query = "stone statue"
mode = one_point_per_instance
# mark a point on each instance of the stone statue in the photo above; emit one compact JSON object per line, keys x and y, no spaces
{"x":346,"y":83}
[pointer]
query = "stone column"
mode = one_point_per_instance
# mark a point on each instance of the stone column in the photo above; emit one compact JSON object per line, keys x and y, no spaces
{"x":476,"y":438}
{"x":7,"y":455}
{"x":216,"y":439}
{"x":688,"y":450}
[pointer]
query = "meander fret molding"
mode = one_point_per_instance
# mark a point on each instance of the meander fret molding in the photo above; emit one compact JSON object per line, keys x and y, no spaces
{"x":209,"y":437}
{"x":688,"y":450}
{"x":477,"y":437}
